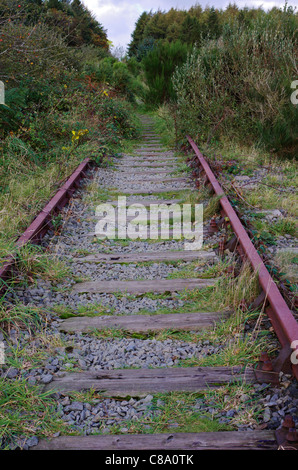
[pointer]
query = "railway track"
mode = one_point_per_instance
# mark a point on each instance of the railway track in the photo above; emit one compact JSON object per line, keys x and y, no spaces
{"x":126,"y":300}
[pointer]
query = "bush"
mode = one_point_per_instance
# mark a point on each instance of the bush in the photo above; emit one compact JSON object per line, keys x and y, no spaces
{"x":239,"y":85}
{"x":122,"y":79}
{"x":32,"y":51}
{"x":103,"y":70}
{"x":159,"y":65}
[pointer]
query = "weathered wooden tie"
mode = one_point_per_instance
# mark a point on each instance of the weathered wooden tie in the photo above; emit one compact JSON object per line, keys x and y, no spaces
{"x":147,"y":202}
{"x":225,"y":440}
{"x":161,"y":233}
{"x":161,"y":189}
{"x":160,"y":181}
{"x":142,"y":257}
{"x":146,"y":157}
{"x":141,"y":287}
{"x":155,"y":151}
{"x":158,"y":171}
{"x":144,"y":323}
{"x":141,"y":382}
{"x":150,"y":156}
{"x":146,"y":164}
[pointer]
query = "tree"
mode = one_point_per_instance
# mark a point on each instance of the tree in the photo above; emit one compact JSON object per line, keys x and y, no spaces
{"x":146,"y":46}
{"x":55,"y":4}
{"x":213,"y":24}
{"x":157,"y":26}
{"x":196,"y":11}
{"x":138,"y":33}
{"x":191,"y":30}
{"x":118,"y":52}
{"x":174,"y":32}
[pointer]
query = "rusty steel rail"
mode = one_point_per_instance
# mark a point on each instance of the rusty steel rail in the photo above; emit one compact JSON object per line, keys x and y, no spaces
{"x":42,"y":222}
{"x":281,"y":317}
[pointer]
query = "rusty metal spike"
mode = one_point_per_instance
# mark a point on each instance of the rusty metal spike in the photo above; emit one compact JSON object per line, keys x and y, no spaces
{"x":264,"y":356}
{"x":288,"y":422}
{"x":267,"y":365}
{"x":213,"y":225}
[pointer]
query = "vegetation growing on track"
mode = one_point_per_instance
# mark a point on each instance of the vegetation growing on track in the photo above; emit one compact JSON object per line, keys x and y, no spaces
{"x":235,"y":81}
{"x":26,"y":411}
{"x":44,"y":136}
{"x":232,"y":95}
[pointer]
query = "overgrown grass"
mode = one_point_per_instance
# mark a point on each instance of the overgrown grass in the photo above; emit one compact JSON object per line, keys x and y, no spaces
{"x":34,"y":350}
{"x":164,"y":125}
{"x":229,"y":292}
{"x":239,"y":351}
{"x":200,"y":269}
{"x":284,"y":226}
{"x":241,"y":398}
{"x":90,"y":310}
{"x":175,"y":412}
{"x":189,"y":412}
{"x":20,"y":317}
{"x":277,"y":187}
{"x":288,"y":263}
{"x":26,"y":411}
{"x":30,"y":187}
{"x":33,"y":262}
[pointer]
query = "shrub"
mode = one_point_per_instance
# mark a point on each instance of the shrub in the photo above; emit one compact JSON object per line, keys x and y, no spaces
{"x":239,"y":85}
{"x":104,"y":70}
{"x":159,"y":65}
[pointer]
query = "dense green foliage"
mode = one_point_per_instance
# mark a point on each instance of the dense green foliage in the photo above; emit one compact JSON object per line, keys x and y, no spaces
{"x":236,"y":79}
{"x":48,"y":80}
{"x":66,"y":98}
{"x":240,"y":85}
{"x":159,"y":66}
{"x":70,"y":19}
{"x":190,"y":26}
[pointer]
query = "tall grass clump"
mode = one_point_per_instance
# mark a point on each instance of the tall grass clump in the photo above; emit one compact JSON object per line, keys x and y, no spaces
{"x":240,"y":84}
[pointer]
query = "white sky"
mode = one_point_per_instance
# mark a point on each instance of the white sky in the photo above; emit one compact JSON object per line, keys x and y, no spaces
{"x":118,"y":17}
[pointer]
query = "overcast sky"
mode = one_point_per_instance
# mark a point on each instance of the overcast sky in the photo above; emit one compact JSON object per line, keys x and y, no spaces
{"x":118,"y":17}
